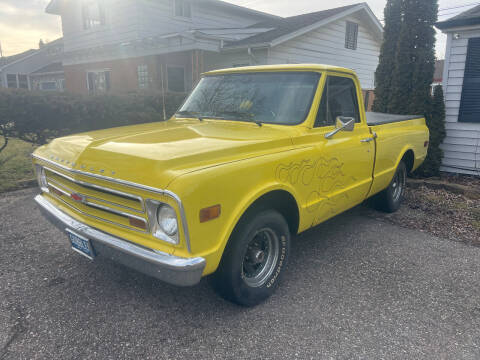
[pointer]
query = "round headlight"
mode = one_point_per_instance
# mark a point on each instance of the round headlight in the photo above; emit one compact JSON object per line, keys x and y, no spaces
{"x":167,"y":219}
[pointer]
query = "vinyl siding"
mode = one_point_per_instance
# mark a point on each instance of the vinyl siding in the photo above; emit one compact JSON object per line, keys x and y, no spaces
{"x":30,"y":63}
{"x":214,"y":61}
{"x":461,"y":147}
{"x":326,"y":45}
{"x":121,"y":25}
{"x":157,"y":17}
{"x":128,"y":20}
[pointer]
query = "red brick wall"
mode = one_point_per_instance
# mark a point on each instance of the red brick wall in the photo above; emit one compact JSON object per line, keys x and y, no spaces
{"x":123,"y":73}
{"x":123,"y":76}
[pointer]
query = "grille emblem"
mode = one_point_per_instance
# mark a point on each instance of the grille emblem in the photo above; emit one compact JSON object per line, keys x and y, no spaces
{"x":77,"y":197}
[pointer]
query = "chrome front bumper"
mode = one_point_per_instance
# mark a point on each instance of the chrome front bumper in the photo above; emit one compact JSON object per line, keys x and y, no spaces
{"x":171,"y":269}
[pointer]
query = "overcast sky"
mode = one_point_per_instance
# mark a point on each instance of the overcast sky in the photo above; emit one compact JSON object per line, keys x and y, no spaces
{"x":24,"y":22}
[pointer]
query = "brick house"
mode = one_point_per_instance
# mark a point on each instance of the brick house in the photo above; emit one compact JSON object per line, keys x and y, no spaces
{"x":127,"y":45}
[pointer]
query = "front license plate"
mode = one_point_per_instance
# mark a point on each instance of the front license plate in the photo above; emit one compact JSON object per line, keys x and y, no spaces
{"x":81,"y":245}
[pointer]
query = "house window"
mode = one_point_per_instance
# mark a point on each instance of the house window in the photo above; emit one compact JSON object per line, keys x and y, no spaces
{"x":98,"y":82}
{"x":176,"y":78}
{"x":93,"y":14}
{"x":12,"y":81}
{"x":23,"y":81}
{"x":182,"y":8}
{"x":48,"y":86}
{"x":142,"y":74}
{"x":351,"y":35}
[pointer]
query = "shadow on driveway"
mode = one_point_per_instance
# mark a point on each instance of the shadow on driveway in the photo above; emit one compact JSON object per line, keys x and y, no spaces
{"x":355,"y":287}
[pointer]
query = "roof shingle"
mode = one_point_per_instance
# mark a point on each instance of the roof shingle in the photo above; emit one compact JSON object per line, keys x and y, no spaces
{"x":10,"y":59}
{"x":469,"y":17}
{"x":281,"y":27}
{"x":50,"y":68}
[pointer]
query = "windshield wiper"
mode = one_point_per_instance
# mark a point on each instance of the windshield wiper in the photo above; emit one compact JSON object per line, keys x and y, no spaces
{"x":224,"y":115}
{"x":241,"y":116}
{"x":193,"y":114}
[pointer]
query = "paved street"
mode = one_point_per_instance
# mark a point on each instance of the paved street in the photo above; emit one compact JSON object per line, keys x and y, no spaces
{"x":356,"y":287}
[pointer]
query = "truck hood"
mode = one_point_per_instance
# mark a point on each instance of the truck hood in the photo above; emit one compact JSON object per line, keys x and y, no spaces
{"x":154,"y":154}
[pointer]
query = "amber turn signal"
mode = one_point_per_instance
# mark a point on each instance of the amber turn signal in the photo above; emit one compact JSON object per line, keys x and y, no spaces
{"x":210,"y":213}
{"x":138,"y":223}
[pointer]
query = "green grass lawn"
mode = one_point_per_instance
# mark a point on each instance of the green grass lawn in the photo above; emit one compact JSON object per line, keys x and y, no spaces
{"x":16,"y":165}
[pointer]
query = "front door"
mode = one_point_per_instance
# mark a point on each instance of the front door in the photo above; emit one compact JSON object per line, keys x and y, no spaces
{"x":343,"y":164}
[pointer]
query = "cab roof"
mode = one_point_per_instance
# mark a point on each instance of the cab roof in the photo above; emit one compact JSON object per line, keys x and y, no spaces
{"x":285,"y":67}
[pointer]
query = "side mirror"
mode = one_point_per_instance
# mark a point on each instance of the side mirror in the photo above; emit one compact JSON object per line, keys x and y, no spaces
{"x":342,"y":123}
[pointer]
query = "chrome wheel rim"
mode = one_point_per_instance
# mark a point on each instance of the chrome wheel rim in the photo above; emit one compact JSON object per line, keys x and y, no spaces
{"x":398,"y":184}
{"x":260,"y":257}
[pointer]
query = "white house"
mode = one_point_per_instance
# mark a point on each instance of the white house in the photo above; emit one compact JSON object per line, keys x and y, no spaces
{"x":123,"y":45}
{"x":461,"y":84}
{"x":35,"y":69}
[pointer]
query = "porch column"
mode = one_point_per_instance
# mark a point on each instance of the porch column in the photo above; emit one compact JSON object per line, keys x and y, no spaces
{"x":197,"y":66}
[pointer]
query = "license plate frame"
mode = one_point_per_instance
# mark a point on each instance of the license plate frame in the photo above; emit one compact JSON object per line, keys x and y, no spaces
{"x":81,"y":244}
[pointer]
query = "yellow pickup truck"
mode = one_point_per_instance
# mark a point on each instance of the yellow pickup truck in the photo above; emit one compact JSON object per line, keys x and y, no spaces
{"x":254,"y":156}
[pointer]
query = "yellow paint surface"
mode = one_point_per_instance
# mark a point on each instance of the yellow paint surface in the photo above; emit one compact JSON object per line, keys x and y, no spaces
{"x":234,"y":163}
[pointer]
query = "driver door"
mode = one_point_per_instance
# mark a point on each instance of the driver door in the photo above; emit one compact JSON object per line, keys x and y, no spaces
{"x":343,"y":162}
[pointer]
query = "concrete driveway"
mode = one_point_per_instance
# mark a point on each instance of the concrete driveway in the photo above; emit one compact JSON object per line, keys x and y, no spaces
{"x":355,"y":288}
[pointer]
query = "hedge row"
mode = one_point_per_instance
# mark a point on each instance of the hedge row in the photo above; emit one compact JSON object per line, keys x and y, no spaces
{"x":39,"y":116}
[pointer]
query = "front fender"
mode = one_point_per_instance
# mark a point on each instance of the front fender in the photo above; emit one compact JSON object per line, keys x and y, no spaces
{"x":235,"y":187}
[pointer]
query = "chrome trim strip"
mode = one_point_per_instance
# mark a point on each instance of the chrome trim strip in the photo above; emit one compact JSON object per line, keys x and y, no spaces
{"x":98,"y":187}
{"x":58,"y":189}
{"x":116,"y":212}
{"x":99,"y":207}
{"x":56,"y":186}
{"x":98,"y":218}
{"x":169,"y":268}
{"x":134,"y":185}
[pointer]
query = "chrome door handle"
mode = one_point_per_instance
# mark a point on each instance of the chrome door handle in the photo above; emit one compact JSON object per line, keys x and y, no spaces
{"x":366,"y":140}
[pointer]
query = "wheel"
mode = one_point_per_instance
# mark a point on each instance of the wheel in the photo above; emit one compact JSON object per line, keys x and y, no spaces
{"x":390,"y":199}
{"x":254,"y":259}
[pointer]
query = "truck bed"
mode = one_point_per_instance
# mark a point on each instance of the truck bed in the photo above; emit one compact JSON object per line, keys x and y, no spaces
{"x":376,"y":118}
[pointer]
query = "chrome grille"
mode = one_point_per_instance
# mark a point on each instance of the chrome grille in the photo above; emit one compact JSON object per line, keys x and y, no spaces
{"x":103,"y":203}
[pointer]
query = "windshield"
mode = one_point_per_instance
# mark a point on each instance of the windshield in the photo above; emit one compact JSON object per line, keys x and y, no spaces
{"x":262,"y":97}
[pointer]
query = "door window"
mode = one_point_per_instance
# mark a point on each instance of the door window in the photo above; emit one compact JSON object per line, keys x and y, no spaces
{"x":339,"y":98}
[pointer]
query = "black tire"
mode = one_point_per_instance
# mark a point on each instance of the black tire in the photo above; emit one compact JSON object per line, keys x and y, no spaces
{"x":390,"y":199}
{"x":256,"y":234}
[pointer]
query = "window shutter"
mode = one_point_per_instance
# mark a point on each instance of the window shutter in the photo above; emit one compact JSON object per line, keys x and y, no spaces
{"x":470,"y":100}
